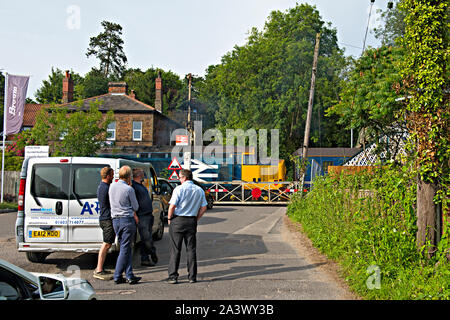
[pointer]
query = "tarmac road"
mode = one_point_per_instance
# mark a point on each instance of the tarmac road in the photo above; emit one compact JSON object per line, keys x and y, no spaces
{"x":242,"y":252}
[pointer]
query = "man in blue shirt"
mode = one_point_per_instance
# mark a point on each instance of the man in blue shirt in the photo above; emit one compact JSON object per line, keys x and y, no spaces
{"x":187,"y":206}
{"x":123,"y":212}
{"x":105,"y":222}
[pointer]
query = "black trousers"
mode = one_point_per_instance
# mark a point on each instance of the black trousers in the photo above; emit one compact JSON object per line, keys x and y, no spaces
{"x":183,"y":229}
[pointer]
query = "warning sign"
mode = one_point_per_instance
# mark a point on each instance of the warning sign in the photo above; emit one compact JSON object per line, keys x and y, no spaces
{"x":182,"y":140}
{"x":174,"y":165}
{"x":174,"y":175}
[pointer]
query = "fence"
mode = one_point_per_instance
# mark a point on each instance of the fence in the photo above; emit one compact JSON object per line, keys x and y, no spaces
{"x":11,"y":186}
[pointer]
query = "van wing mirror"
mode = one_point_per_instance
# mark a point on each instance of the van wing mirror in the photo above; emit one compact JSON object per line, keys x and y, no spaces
{"x":52,"y":288}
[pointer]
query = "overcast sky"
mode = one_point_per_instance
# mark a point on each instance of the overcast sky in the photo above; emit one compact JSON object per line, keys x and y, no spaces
{"x":184,"y":36}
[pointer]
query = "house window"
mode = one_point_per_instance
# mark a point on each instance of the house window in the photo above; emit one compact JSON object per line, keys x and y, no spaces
{"x":111,"y":131}
{"x":137,"y":130}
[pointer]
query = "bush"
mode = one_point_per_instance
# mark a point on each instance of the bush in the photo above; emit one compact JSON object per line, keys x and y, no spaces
{"x":367,"y":223}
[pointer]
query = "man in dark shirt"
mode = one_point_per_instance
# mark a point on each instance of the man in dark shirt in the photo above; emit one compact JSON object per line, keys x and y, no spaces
{"x":109,"y":236}
{"x":145,"y":214}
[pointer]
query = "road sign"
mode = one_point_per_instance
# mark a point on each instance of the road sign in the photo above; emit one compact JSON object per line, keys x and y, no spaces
{"x":36,"y":151}
{"x":174,"y":165}
{"x":174,"y":175}
{"x":181,"y":140}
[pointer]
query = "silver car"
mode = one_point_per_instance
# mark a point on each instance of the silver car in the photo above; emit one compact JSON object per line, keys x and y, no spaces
{"x":19,"y":284}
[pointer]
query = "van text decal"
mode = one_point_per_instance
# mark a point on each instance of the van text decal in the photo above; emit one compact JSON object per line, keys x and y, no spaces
{"x":88,"y":208}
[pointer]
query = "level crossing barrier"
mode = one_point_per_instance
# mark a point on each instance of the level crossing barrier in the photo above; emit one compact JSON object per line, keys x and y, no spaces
{"x":242,"y":192}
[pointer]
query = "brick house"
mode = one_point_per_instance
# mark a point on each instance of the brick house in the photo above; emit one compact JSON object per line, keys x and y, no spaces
{"x":137,"y":128}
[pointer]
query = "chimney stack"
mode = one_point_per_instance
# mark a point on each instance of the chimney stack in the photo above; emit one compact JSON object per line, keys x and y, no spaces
{"x":132,"y":94}
{"x":67,"y":88}
{"x":158,"y":93}
{"x":117,"y":87}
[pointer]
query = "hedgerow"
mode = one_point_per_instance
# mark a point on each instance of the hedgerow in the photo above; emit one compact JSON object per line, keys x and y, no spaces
{"x":366,"y":222}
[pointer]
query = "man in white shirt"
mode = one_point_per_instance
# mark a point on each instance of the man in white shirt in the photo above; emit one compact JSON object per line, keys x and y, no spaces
{"x":187,"y":206}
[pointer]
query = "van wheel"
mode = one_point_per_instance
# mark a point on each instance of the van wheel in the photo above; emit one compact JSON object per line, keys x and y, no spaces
{"x":160,"y":232}
{"x":37,"y":257}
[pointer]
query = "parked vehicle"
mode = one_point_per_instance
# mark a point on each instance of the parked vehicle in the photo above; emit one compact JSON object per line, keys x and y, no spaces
{"x":58,"y":208}
{"x":208,"y":196}
{"x":19,"y":284}
{"x":164,"y":193}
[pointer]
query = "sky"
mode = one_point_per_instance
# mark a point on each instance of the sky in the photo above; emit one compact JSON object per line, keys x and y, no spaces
{"x":184,"y":36}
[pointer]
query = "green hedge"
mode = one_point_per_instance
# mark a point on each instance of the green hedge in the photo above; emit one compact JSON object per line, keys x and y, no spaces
{"x":367,"y":223}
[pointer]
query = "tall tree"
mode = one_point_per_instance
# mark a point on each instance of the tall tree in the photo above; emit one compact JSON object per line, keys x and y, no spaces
{"x":93,"y":84}
{"x":143,"y":83}
{"x":393,"y":27}
{"x":368,"y":96}
{"x":426,"y":76}
{"x":265,"y":83}
{"x":108,"y":48}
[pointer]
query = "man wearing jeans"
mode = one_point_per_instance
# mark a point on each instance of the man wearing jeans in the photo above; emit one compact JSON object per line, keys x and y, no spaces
{"x":187,"y":206}
{"x":145,"y":215}
{"x":123,"y":212}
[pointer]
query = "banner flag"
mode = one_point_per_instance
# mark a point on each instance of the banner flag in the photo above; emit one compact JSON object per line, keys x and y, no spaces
{"x":15,"y":102}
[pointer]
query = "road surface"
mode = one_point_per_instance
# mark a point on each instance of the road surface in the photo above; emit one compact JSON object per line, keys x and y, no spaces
{"x":243,"y":253}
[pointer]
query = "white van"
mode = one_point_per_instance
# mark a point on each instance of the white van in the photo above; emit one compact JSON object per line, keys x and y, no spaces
{"x":58,"y":207}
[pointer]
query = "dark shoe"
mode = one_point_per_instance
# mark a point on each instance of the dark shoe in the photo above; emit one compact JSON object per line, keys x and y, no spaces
{"x":192,"y":280}
{"x":172,"y":281}
{"x":120,"y":280}
{"x":134,"y":280}
{"x":154,"y":258}
{"x":147,"y":263}
{"x":103,"y":275}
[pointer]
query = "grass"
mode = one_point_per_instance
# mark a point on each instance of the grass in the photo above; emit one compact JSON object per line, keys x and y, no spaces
{"x":371,"y":234}
{"x":8,"y":205}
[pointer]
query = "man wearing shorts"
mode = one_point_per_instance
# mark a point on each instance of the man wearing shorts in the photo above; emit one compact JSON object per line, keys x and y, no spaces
{"x":109,"y":236}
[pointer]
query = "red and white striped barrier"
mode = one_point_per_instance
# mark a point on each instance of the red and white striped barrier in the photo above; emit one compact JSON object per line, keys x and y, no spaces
{"x":218,"y":190}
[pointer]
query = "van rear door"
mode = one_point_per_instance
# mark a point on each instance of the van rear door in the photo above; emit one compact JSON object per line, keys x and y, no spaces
{"x":84,"y":209}
{"x":47,"y":200}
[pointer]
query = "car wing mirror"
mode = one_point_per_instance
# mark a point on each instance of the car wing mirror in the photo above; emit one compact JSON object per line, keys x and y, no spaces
{"x":52,"y":288}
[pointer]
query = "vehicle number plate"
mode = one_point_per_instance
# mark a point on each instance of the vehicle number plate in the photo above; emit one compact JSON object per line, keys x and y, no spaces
{"x":45,"y":234}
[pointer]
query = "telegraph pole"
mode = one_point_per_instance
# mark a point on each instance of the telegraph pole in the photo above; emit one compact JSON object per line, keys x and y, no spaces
{"x":311,"y":97}
{"x":189,"y":122}
{"x":187,"y":155}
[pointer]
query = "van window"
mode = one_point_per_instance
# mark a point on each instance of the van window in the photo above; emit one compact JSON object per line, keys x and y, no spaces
{"x":86,"y":179}
{"x":50,"y":181}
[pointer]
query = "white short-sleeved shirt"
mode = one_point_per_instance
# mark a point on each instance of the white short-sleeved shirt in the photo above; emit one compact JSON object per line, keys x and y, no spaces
{"x":188,"y":198}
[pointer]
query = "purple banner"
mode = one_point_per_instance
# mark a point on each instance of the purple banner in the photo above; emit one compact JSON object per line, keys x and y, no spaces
{"x":15,"y":102}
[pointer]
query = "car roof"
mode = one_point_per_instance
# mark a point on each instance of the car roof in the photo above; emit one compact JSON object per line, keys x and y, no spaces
{"x":17,"y":270}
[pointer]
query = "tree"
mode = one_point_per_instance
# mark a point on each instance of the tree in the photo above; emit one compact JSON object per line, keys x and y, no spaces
{"x":143,"y":83}
{"x":79,"y":133}
{"x":393,"y":28}
{"x":426,"y":77}
{"x":265,"y":83}
{"x":94,"y":84}
{"x":108,"y":48}
{"x":51,"y":89}
{"x":368,"y":96}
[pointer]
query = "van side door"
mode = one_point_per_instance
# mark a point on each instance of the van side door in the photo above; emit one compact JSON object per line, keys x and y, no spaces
{"x":84,"y":209}
{"x":47,"y":200}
